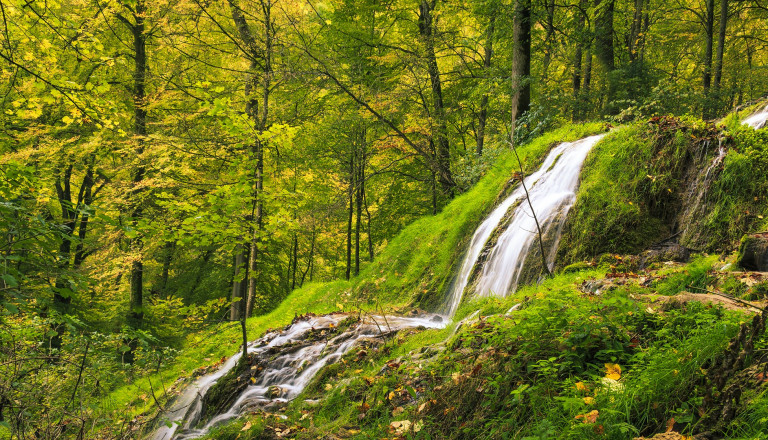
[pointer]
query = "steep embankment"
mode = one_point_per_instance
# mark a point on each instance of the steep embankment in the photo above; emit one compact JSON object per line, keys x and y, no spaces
{"x":670,"y":178}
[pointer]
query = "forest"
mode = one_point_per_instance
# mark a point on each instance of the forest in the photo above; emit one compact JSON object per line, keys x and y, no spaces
{"x":177,"y":177}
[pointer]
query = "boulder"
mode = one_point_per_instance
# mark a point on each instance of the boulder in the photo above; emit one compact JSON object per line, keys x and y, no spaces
{"x":665,"y":252}
{"x":753,"y":252}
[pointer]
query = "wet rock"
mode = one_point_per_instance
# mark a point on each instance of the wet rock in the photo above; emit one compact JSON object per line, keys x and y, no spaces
{"x":437,"y":318}
{"x":596,"y":287}
{"x":666,"y":252}
{"x":753,"y":252}
{"x":274,"y":392}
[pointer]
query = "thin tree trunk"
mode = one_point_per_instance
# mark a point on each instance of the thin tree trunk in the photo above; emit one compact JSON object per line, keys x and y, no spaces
{"x":350,"y":200}
{"x":295,"y":260}
{"x":604,"y":33}
{"x":167,"y":259}
{"x":548,"y":43}
{"x":359,"y":200}
{"x":721,"y":43}
{"x":443,"y":152}
{"x":521,"y":62}
{"x":82,"y":230}
{"x":577,"y":66}
{"x":238,"y":285}
{"x":482,"y":117}
{"x":633,"y":44}
{"x":370,"y":231}
{"x":260,"y":121}
{"x":137,"y":28}
{"x":709,"y":23}
{"x":311,"y":256}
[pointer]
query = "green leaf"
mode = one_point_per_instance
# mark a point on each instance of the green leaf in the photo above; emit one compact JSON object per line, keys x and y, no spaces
{"x":9,"y":280}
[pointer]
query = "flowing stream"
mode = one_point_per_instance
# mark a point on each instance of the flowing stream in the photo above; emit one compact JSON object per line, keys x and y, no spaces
{"x":757,"y":120}
{"x":292,"y":357}
{"x":289,"y":358}
{"x":552,"y":191}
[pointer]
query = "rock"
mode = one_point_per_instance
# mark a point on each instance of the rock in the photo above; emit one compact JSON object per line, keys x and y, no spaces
{"x":274,"y":392}
{"x":437,"y":318}
{"x":667,"y":252}
{"x":596,"y":287}
{"x":753,"y":252}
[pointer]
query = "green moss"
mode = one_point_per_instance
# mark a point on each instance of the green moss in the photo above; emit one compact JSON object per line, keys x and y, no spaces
{"x":577,"y":267}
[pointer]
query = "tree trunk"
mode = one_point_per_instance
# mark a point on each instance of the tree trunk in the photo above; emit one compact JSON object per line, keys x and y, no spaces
{"x":721,"y":43}
{"x":604,"y":33}
{"x":350,"y":200}
{"x":295,"y":260}
{"x":521,"y":62}
{"x":309,"y":259}
{"x":443,"y":152}
{"x":634,"y":44}
{"x":138,"y":31}
{"x":360,"y":191}
{"x":370,"y":230}
{"x":260,"y":122}
{"x":238,"y":285}
{"x":709,"y":22}
{"x":482,"y":117}
{"x":548,"y":43}
{"x":136,"y":314}
{"x":577,"y":57}
{"x":167,"y":259}
{"x":82,"y":230}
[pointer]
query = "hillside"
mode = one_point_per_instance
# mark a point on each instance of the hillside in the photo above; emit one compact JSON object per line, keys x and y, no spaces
{"x":564,"y":358}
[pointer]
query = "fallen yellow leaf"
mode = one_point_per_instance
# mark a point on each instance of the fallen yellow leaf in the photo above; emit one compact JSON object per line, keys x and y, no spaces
{"x":613,"y":371}
{"x":247,"y":426}
{"x":590,"y":417}
{"x":589,"y":400}
{"x":580,"y":386}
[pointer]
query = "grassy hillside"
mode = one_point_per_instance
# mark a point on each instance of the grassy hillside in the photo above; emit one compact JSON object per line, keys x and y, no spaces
{"x":606,"y":350}
{"x":414,"y":270}
{"x":640,"y":182}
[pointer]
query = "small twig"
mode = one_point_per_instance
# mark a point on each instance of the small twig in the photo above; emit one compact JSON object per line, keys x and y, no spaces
{"x":80,"y":374}
{"x":732,"y":298}
{"x":530,"y":205}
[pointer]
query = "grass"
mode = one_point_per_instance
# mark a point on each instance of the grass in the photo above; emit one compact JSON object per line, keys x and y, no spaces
{"x":539,"y":372}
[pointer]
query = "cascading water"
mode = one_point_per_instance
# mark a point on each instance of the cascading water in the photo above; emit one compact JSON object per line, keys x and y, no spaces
{"x":291,"y":360}
{"x":552,"y":191}
{"x":757,"y":120}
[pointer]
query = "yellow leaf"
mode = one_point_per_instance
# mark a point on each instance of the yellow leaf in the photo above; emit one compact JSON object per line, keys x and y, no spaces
{"x":328,"y":387}
{"x":340,"y":306}
{"x":391,"y":395}
{"x":247,"y":426}
{"x":589,"y":400}
{"x":580,"y":386}
{"x":613,"y":371}
{"x":590,"y":417}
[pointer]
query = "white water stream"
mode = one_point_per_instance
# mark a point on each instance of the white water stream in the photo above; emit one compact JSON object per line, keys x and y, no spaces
{"x":295,"y":360}
{"x":757,"y":120}
{"x":286,"y":373}
{"x":552,"y":190}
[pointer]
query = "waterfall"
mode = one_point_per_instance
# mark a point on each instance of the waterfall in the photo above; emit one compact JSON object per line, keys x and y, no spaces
{"x":290,"y":358}
{"x":552,"y":190}
{"x":757,"y":120}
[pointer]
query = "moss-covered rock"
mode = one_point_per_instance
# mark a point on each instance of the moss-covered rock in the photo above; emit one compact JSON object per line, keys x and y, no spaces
{"x":753,"y":252}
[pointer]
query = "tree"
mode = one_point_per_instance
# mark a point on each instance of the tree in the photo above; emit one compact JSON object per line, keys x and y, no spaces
{"x":521,"y":62}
